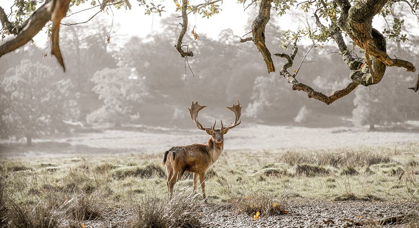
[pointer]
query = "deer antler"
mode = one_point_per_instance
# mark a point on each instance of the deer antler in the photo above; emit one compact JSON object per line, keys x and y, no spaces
{"x":195,"y":108}
{"x":237,"y":109}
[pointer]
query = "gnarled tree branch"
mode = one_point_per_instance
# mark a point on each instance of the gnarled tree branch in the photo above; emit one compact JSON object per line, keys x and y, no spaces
{"x":356,"y":21}
{"x":183,"y":31}
{"x":296,"y":85}
{"x":51,"y":10}
{"x":258,"y":31}
{"x":29,"y":29}
{"x":336,"y":35}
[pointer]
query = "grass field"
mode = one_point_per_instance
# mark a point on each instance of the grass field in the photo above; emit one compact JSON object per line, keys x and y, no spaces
{"x":130,"y":189}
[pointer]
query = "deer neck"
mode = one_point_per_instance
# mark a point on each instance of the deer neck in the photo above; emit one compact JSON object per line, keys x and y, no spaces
{"x":215,"y":149}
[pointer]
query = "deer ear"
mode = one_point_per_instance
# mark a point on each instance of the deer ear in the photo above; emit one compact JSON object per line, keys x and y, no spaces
{"x":209,"y":131}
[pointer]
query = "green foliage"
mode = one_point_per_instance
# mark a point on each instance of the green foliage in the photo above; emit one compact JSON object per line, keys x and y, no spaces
{"x":35,"y":101}
{"x":150,"y":7}
{"x":395,"y":32}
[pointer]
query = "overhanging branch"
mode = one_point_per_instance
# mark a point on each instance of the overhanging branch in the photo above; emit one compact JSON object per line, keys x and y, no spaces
{"x":59,"y":9}
{"x":183,"y":31}
{"x":296,"y":85}
{"x":258,"y":31}
{"x":356,"y":21}
{"x":336,"y":35}
{"x":30,"y":28}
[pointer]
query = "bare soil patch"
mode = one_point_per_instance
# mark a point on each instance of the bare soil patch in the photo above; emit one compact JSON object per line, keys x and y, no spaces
{"x":301,"y":214}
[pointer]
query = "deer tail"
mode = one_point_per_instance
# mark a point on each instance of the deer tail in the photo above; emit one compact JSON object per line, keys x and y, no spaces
{"x":165,"y":157}
{"x":166,"y":154}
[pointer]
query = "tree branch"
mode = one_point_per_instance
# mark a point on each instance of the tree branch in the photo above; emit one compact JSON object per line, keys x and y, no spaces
{"x":258,"y":31}
{"x":246,"y":39}
{"x":183,"y":31}
{"x":6,"y":23}
{"x":204,"y":5}
{"x":78,"y":23}
{"x":251,"y":3}
{"x":416,"y":87}
{"x":296,"y":85}
{"x":304,"y":58}
{"x":30,"y":28}
{"x":59,"y":9}
{"x":344,"y":51}
{"x":356,"y":21}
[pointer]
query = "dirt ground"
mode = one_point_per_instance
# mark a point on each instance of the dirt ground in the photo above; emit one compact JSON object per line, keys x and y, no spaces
{"x":301,"y":214}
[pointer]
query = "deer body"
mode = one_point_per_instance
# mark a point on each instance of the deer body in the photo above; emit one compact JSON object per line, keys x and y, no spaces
{"x":196,"y":158}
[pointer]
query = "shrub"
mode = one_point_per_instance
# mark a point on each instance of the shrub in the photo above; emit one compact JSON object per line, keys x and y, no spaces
{"x":83,"y":207}
{"x":349,"y":170}
{"x":142,"y":172}
{"x":24,"y":216}
{"x":276,"y":172}
{"x":181,"y":211}
{"x":311,"y":170}
{"x":356,"y":159}
{"x":3,"y":209}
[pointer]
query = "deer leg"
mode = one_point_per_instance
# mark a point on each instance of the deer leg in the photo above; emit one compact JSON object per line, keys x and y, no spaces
{"x":171,"y":183}
{"x":202,"y":180}
{"x":169,"y":177}
{"x":195,"y":182}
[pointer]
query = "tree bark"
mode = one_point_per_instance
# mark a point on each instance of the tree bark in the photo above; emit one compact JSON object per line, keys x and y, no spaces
{"x":32,"y":26}
{"x":183,"y":31}
{"x":258,"y":31}
{"x":356,"y":21}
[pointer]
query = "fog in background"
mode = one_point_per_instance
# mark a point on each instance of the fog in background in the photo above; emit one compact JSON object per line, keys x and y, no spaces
{"x":147,"y":84}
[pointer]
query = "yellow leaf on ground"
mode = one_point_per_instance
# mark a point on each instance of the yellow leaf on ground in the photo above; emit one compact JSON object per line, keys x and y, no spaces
{"x":256,"y":216}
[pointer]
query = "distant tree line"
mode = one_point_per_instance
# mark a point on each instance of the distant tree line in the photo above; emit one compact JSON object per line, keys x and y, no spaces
{"x":145,"y":82}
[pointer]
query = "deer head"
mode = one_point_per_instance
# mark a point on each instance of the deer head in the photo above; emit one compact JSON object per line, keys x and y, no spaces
{"x":216,"y":134}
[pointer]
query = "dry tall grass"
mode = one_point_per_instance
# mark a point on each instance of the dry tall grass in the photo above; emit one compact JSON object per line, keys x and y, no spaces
{"x":183,"y":210}
{"x":62,"y":192}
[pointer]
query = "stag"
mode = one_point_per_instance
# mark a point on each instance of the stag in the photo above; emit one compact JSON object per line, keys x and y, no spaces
{"x":197,"y":158}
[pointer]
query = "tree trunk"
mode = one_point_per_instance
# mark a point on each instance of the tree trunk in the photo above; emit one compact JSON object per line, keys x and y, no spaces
{"x":28,"y":140}
{"x":372,"y":127}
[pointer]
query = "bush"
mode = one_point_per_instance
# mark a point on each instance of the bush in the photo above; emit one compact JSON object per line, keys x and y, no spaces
{"x":349,"y":170}
{"x":24,"y":216}
{"x":181,"y":211}
{"x":356,"y":159}
{"x":83,"y":207}
{"x":3,"y":209}
{"x":274,"y":172}
{"x":142,"y":172}
{"x":311,"y":170}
